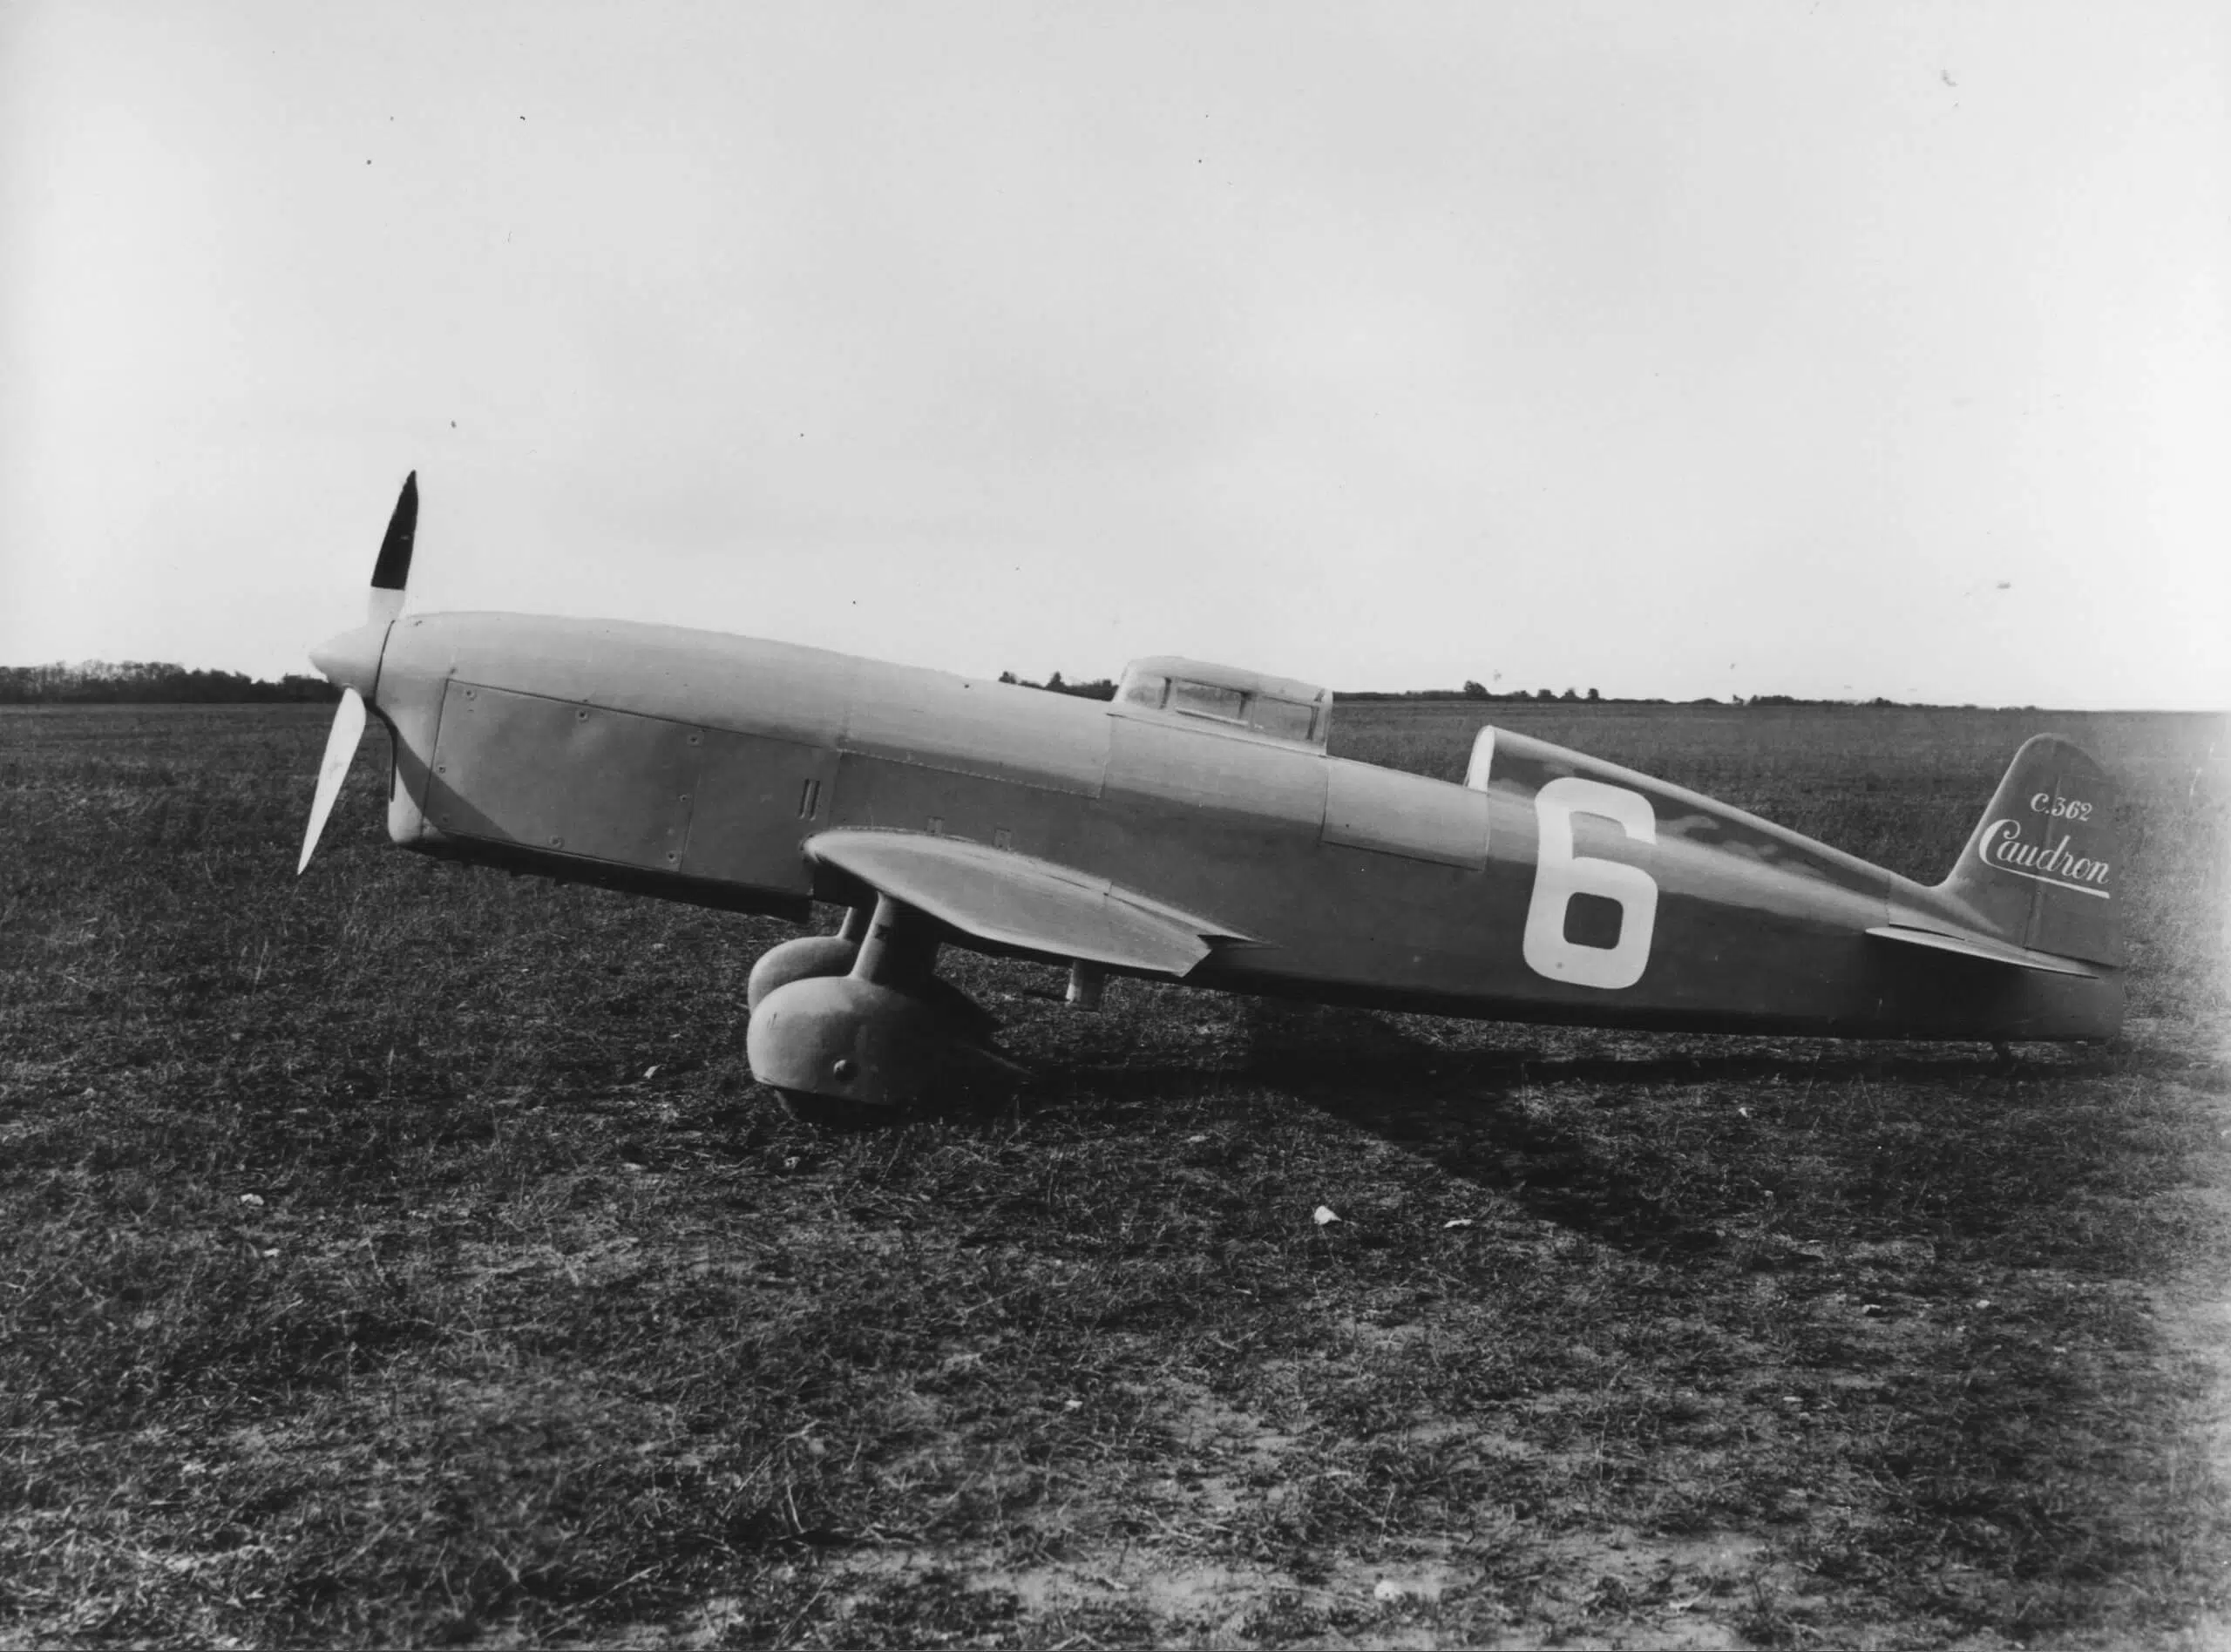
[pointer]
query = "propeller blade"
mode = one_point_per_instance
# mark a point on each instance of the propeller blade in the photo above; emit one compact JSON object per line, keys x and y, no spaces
{"x":391,"y":574}
{"x":340,"y":750}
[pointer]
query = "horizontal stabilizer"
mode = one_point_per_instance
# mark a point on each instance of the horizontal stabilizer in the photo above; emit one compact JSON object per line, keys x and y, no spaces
{"x":1011,"y":900}
{"x":1977,"y":946}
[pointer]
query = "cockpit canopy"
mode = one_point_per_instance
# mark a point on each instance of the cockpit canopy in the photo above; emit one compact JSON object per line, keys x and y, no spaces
{"x":1242,"y":701}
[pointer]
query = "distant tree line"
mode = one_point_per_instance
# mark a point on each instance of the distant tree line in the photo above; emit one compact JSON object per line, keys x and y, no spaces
{"x":1098,"y":688}
{"x":1102,"y":688}
{"x":1590,"y":697}
{"x":149,"y":681}
{"x":1480,"y":691}
{"x":145,"y":681}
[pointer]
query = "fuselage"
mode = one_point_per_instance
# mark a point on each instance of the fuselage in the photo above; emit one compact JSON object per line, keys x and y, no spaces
{"x":1549,"y":886}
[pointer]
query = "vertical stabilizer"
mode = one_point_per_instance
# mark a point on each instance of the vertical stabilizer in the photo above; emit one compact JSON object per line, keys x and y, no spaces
{"x":2044,"y":868}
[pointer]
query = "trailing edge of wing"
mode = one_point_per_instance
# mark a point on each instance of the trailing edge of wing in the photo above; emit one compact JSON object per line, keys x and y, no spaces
{"x":1977,"y":946}
{"x":1008,"y":899}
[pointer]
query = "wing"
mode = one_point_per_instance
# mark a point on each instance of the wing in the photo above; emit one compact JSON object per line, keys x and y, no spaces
{"x":1010,"y":900}
{"x":1985,"y":947}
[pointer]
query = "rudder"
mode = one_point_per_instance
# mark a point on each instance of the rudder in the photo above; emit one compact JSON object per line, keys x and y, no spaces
{"x":2044,"y":866}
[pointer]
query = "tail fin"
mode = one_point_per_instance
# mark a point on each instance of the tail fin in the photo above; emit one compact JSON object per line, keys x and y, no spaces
{"x":2044,"y":864}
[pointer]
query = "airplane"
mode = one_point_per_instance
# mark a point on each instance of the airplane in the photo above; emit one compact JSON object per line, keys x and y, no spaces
{"x":1193,"y":829}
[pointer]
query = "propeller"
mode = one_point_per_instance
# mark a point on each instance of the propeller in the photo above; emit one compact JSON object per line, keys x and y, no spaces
{"x":353,"y":661}
{"x":340,"y":752}
{"x":392,"y":572}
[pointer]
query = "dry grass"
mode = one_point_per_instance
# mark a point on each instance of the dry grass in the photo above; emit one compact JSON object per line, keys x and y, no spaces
{"x":402,"y":1256}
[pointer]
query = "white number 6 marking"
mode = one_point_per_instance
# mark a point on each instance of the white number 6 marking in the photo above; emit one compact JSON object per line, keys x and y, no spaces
{"x":1559,"y":875}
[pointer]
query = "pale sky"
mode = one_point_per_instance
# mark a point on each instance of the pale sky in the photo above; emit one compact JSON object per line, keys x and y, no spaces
{"x":1826,"y":349}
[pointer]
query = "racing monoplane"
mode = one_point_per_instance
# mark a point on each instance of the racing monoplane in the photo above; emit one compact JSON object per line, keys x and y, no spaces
{"x":1195,"y":830}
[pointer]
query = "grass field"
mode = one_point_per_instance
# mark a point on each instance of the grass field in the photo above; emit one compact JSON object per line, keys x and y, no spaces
{"x":404,"y":1255}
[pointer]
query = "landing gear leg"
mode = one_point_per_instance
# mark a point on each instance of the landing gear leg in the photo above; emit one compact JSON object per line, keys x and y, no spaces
{"x":866,"y":1047}
{"x":900,"y":950}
